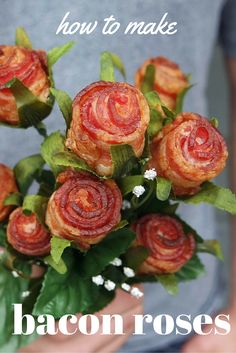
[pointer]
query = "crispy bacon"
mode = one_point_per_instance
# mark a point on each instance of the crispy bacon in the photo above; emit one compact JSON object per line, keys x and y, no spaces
{"x":7,"y":186}
{"x":84,"y":208}
{"x":169,"y":79}
{"x":28,"y":66}
{"x":188,"y":152}
{"x":170,"y":248}
{"x":106,"y":114}
{"x":27,"y":235}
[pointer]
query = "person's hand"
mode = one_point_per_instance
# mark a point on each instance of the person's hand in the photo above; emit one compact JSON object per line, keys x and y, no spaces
{"x":214,"y":343}
{"x":124,"y":304}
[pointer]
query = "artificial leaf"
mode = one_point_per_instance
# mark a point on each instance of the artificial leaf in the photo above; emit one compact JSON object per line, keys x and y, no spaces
{"x":117,"y":62}
{"x":22,"y":38}
{"x":169,"y":282}
{"x":58,"y":245}
{"x":148,"y":79}
{"x":163,"y":188}
{"x":46,"y":182}
{"x":53,"y":144}
{"x":70,"y":159}
{"x":100,"y":255}
{"x":41,"y":128}
{"x":155,"y":124}
{"x":106,"y":67}
{"x":36,"y":204}
{"x":123,"y":159}
{"x":211,"y":247}
{"x":58,"y":266}
{"x":154,"y":100}
{"x":65,"y":104}
{"x":14,"y":199}
{"x":135,"y":256}
{"x":214,"y":195}
{"x":191,"y":270}
{"x":180,"y":99}
{"x":56,"y":53}
{"x":26,"y":170}
{"x":127,"y":183}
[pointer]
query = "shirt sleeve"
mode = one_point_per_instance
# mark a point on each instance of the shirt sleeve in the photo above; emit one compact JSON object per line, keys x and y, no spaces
{"x":227,"y":29}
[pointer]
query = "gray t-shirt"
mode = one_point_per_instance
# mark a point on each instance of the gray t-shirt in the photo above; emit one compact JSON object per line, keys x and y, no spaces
{"x":198,"y":24}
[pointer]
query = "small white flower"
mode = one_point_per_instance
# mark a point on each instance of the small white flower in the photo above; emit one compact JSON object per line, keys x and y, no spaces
{"x":135,"y":292}
{"x":15,"y":274}
{"x":129,"y":272}
{"x":126,"y":287}
{"x":126,"y":205}
{"x":150,"y":174}
{"x":109,"y":285}
{"x":98,"y":280}
{"x":138,"y":190}
{"x":25,"y":294}
{"x":116,"y":262}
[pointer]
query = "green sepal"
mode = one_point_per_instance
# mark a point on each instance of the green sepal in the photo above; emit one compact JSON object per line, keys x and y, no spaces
{"x":212,"y":247}
{"x":163,"y":188}
{"x":30,"y":109}
{"x":14,"y":199}
{"x":35,"y":204}
{"x":180,"y":99}
{"x":154,"y":100}
{"x":215,"y":122}
{"x":214,"y":195}
{"x":108,"y":62}
{"x":22,"y":39}
{"x":155,"y":123}
{"x":65,"y":104}
{"x":118,"y":64}
{"x":148,"y":79}
{"x":100,"y":255}
{"x":56,"y":53}
{"x":53,"y":144}
{"x":123,"y":159}
{"x":59,"y":266}
{"x":69,"y":159}
{"x":26,"y":170}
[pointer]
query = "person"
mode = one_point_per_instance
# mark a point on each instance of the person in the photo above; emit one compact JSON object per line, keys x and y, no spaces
{"x":199,"y":23}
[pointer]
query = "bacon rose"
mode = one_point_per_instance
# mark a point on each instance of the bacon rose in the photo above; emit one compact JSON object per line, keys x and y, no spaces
{"x":188,"y":152}
{"x":27,"y":235}
{"x":84,"y":208}
{"x":169,"y":79}
{"x":106,"y":114}
{"x":7,"y":186}
{"x":170,"y":248}
{"x":27,"y":65}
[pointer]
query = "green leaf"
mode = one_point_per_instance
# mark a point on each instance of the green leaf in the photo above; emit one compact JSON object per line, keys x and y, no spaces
{"x":191,"y":270}
{"x":155,"y":124}
{"x":65,"y":104}
{"x":211,"y":247}
{"x":30,"y":109}
{"x":11,"y":289}
{"x":59,"y":266}
{"x":163,"y":188}
{"x":118,"y":63}
{"x":180,"y":99}
{"x":22,"y":38}
{"x":216,"y":196}
{"x":126,"y":184}
{"x":70,"y":159}
{"x":14,"y":199}
{"x":148,"y":79}
{"x":41,"y":128}
{"x":26,"y":171}
{"x":106,"y":67}
{"x":169,"y":282}
{"x":123,"y":159}
{"x":100,"y":255}
{"x":46,"y":182}
{"x":53,"y":144}
{"x":154,"y":100}
{"x":36,"y":204}
{"x":58,"y":245}
{"x":56,"y":53}
{"x":3,"y":236}
{"x":135,"y":256}
{"x":215,"y":122}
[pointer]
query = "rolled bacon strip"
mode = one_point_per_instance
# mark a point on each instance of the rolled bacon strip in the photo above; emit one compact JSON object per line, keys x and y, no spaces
{"x":27,"y":235}
{"x":169,"y":79}
{"x":7,"y":186}
{"x":188,"y":152}
{"x":27,"y":65}
{"x":170,"y":248}
{"x":106,"y":114}
{"x":84,"y":208}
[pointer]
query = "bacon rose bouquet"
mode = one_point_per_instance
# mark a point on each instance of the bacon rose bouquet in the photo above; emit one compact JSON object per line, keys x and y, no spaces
{"x":105,"y":214}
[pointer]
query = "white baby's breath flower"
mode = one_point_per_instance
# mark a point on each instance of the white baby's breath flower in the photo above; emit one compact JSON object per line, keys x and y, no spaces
{"x":138,"y":190}
{"x":15,"y":274}
{"x":25,"y":294}
{"x":150,"y":174}
{"x":135,"y":292}
{"x":109,"y":285}
{"x":98,"y":280}
{"x":129,"y":272}
{"x":126,"y":205}
{"x":116,"y":262}
{"x":126,"y":287}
